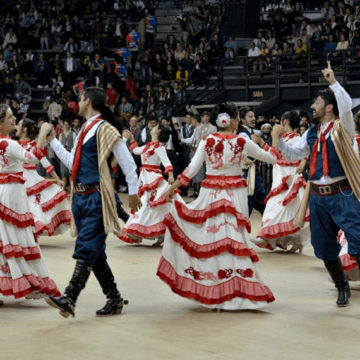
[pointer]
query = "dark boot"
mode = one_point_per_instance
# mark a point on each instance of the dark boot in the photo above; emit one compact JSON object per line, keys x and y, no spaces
{"x":66,"y":303}
{"x":337,"y":274}
{"x":122,"y":214}
{"x":106,"y":280}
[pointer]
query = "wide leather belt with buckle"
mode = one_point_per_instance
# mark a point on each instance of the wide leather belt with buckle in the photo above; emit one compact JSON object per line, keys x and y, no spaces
{"x":331,"y":188}
{"x":80,"y":188}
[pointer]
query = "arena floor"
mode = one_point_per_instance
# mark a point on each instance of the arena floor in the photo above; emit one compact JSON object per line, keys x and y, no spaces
{"x":303,"y":322}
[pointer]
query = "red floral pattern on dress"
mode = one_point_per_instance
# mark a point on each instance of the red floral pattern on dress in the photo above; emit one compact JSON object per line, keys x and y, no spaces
{"x":237,"y":148}
{"x":247,"y":273}
{"x":5,"y":269}
{"x":215,"y":151}
{"x":225,"y":274}
{"x":3,"y":145}
{"x":199,"y":275}
{"x":216,"y":228}
{"x":28,"y":155}
{"x":149,"y":150}
{"x":37,"y":199}
{"x":217,"y":192}
{"x":152,"y":196}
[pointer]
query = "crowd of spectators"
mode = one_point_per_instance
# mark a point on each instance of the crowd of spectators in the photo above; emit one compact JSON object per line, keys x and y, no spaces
{"x":287,"y":39}
{"x":67,"y":45}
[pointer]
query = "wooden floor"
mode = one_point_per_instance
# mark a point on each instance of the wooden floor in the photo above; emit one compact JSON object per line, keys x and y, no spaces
{"x":303,"y":322}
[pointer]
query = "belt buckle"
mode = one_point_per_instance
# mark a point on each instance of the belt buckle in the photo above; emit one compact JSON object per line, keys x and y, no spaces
{"x":80,"y":187}
{"x":324,"y":190}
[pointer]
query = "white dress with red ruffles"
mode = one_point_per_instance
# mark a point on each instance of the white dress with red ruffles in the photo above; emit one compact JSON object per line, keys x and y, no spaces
{"x":207,"y":254}
{"x":282,"y":204}
{"x":22,"y":269}
{"x":147,"y":223}
{"x":48,"y":202}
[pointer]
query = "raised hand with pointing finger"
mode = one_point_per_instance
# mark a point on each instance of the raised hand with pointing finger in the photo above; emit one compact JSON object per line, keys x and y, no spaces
{"x":329,"y":74}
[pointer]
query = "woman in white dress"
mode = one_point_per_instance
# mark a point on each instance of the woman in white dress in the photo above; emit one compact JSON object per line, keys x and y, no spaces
{"x":284,"y":198}
{"x":148,"y":221}
{"x":47,"y":201}
{"x":207,"y":255}
{"x":23,"y":272}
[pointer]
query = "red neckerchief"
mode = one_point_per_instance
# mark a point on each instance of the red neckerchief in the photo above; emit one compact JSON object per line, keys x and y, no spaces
{"x":287,"y":137}
{"x":320,"y":139}
{"x":77,"y":157}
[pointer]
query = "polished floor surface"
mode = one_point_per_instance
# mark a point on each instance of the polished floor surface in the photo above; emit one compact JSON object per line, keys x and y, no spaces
{"x":303,"y":323}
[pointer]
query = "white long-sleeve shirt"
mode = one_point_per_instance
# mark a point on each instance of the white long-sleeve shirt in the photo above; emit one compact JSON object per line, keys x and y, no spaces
{"x":121,"y":153}
{"x":301,"y":149}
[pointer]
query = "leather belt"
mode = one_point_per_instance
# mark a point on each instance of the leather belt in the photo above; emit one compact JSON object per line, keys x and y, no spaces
{"x":86,"y":189}
{"x":330,"y":189}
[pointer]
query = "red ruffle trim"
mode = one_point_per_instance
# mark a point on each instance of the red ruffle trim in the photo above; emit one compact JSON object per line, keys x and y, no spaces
{"x":142,"y":231}
{"x":49,"y":169}
{"x":214,"y":209}
{"x":152,"y":186}
{"x":169,"y":169}
{"x":29,"y":166}
{"x":223,"y":182}
{"x":299,"y":183}
{"x":151,"y":168}
{"x":63,"y":217}
{"x":348,"y":262}
{"x":8,"y":178}
{"x":184,"y":180}
{"x":283,"y":162}
{"x":26,"y":285}
{"x":40,"y":186}
{"x":162,"y":199}
{"x":133,"y":145}
{"x":279,"y":189}
{"x":278,"y":230}
{"x":212,"y":295}
{"x":57,"y":199}
{"x":18,"y":220}
{"x":28,"y":253}
{"x":206,"y":251}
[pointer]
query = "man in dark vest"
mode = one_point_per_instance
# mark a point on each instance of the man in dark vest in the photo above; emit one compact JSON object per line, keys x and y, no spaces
{"x":333,"y":204}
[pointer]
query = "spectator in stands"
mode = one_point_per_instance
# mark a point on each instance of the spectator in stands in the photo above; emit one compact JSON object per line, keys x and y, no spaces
{"x":184,"y":30}
{"x":196,"y":29}
{"x":192,"y":51}
{"x":170,"y":60}
{"x":71,"y":46}
{"x":87,"y":47}
{"x":2,"y":61}
{"x":330,"y":47}
{"x":10,"y":38}
{"x":125,"y":111}
{"x":160,"y":95}
{"x":303,"y":128}
{"x":76,"y":125}
{"x":132,"y":42}
{"x":106,"y":35}
{"x":327,"y":11}
{"x":286,"y":58}
{"x":300,"y":56}
{"x":7,"y":72}
{"x":15,"y":65}
{"x":58,"y":47}
{"x":180,"y":96}
{"x":56,"y":66}
{"x":182,"y":75}
{"x":140,"y":108}
{"x":158,"y":67}
{"x":231,"y":50}
{"x":352,"y":22}
{"x":260,"y":38}
{"x":253,"y":54}
{"x":24,"y":108}
{"x":202,"y":51}
{"x":97,"y":70}
{"x":203,"y":13}
{"x":171,"y":42}
{"x":45,"y":32}
{"x":260,"y":60}
{"x":120,"y":32}
{"x":21,"y":89}
{"x":111,"y":96}
{"x":199,"y":72}
{"x":152,"y":104}
{"x":41,"y":71}
{"x":70,"y":69}
{"x":150,"y":29}
{"x":274,"y":26}
{"x":187,"y":62}
{"x":270,"y":41}
{"x":179,"y":52}
{"x":7,"y":88}
{"x":56,"y":30}
{"x":216,"y":50}
{"x":213,"y":27}
{"x":343,"y":44}
{"x":168,"y":76}
{"x":9,"y":52}
{"x":317,"y":43}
